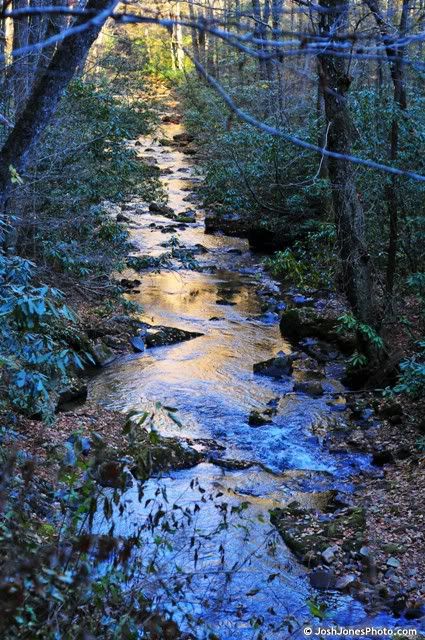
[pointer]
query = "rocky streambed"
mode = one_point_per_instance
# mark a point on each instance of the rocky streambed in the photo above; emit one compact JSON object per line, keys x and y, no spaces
{"x":239,"y":398}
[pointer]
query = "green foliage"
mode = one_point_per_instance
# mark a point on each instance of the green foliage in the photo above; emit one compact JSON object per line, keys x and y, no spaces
{"x":284,"y":265}
{"x":350,"y":322}
{"x":34,"y":359}
{"x":251,"y":173}
{"x":412,"y":374}
{"x":82,"y":166}
{"x":309,"y":264}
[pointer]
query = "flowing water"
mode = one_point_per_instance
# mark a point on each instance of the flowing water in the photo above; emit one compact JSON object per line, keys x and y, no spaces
{"x":210,"y":381}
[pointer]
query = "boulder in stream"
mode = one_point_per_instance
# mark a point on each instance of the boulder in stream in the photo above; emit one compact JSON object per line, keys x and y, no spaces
{"x":278,"y":367}
{"x":163,"y":209}
{"x":312,"y":388}
{"x":161,"y":336}
{"x":259,"y":418}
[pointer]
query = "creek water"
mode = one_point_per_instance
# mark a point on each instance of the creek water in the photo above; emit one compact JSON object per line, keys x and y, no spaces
{"x":242,"y":580}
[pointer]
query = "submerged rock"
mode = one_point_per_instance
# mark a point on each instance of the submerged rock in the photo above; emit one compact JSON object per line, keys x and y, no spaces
{"x":183,"y":137}
{"x":224,"y":302}
{"x":277,"y":367}
{"x":171,"y":118}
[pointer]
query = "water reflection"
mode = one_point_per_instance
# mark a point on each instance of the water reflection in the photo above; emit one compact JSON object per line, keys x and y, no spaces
{"x":210,"y":380}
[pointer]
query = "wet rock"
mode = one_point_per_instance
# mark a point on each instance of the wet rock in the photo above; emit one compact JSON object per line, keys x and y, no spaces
{"x":162,"y":336}
{"x":151,"y":161}
{"x":199,"y":248}
{"x":215,"y":318}
{"x":231,"y":464}
{"x":390,"y":409}
{"x":122,"y":218}
{"x":298,"y":323}
{"x":277,"y":367}
{"x":224,"y":302}
{"x":399,"y":603}
{"x":183,"y":137}
{"x":309,"y":387}
{"x":189,"y":151}
{"x":102,"y":354}
{"x":189,"y":214}
{"x":415,"y":612}
{"x":259,"y":418}
{"x":235,"y":251}
{"x":171,"y":118}
{"x":138,"y":344}
{"x":130,"y":284}
{"x":308,"y":534}
{"x":163,"y":209}
{"x":337,"y":404}
{"x":322,"y":579}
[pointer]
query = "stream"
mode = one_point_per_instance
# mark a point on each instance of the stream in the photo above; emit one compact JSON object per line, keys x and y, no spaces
{"x":242,"y":579}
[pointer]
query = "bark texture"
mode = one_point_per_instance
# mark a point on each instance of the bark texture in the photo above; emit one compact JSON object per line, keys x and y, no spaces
{"x":45,"y":95}
{"x":348,"y":210}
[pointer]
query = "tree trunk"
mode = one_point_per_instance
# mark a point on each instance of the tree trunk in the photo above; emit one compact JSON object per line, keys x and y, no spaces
{"x":45,"y":96}
{"x":20,"y":68}
{"x":348,"y":211}
{"x":395,"y":57}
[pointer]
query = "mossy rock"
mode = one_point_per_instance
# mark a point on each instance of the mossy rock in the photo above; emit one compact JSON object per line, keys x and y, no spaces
{"x":308,"y":536}
{"x":308,"y":322}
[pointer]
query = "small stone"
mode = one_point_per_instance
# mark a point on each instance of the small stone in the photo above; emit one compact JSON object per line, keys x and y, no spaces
{"x":345,"y":581}
{"x":328,"y":555}
{"x":138,"y":344}
{"x":365,"y":552}
{"x":393,"y":562}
